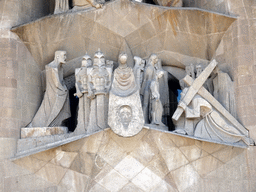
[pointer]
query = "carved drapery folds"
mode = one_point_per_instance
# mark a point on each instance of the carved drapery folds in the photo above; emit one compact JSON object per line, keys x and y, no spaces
{"x":205,"y":117}
{"x":54,"y":108}
{"x":135,"y":96}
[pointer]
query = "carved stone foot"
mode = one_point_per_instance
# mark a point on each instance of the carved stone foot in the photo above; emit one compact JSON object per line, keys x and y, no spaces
{"x":180,"y":131}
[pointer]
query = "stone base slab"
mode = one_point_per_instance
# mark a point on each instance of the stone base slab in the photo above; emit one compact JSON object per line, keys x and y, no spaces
{"x":42,"y":131}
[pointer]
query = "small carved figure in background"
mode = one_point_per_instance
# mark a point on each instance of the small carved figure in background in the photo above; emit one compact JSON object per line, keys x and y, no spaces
{"x":224,"y":91}
{"x":208,"y":83}
{"x":149,"y":75}
{"x":138,"y":71}
{"x":157,"y":107}
{"x":190,"y":70}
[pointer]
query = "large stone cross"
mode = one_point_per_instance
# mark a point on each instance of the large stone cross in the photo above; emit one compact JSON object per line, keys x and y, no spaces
{"x":196,"y":87}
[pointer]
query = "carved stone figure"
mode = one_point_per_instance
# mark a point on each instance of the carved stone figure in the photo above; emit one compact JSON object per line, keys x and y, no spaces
{"x":54,"y":108}
{"x":212,"y":126}
{"x":138,"y":70}
{"x":157,"y":107}
{"x":61,"y":6}
{"x":145,"y":89}
{"x":208,"y":83}
{"x":124,"y":83}
{"x":216,"y":123}
{"x":169,"y":3}
{"x":82,"y":94}
{"x":163,"y":91}
{"x":190,"y":70}
{"x":99,"y":78}
{"x":83,"y":4}
{"x":125,"y":115}
{"x":224,"y":91}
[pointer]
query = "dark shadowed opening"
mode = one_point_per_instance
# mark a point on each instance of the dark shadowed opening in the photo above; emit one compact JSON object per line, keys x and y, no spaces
{"x":174,"y":86}
{"x":72,"y":121}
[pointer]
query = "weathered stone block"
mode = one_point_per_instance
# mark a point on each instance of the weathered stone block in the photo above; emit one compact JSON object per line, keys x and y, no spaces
{"x":42,"y":131}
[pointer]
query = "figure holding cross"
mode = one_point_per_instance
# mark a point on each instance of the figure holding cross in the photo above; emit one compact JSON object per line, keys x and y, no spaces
{"x":216,"y":123}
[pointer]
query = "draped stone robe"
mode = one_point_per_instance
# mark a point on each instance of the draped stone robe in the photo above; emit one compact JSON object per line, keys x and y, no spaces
{"x":213,"y":126}
{"x":55,"y":107}
{"x":61,"y":6}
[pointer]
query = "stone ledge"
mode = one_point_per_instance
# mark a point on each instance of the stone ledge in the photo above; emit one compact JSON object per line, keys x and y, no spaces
{"x":58,"y":141}
{"x":238,"y":144}
{"x":72,"y":137}
{"x":42,"y":131}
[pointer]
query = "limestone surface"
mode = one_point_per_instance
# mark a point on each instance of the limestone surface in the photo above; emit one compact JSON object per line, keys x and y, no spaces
{"x":42,"y":131}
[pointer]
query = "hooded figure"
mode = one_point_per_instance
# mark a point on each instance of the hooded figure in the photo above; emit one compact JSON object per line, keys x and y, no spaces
{"x":54,"y":108}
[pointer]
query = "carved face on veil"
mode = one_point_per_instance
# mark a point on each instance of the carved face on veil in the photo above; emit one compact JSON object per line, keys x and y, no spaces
{"x":125,"y":113}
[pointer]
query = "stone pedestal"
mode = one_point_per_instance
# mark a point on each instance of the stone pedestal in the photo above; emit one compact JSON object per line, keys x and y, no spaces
{"x":42,"y":131}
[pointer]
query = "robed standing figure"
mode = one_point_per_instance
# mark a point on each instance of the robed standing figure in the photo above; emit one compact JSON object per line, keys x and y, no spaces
{"x":55,"y":107}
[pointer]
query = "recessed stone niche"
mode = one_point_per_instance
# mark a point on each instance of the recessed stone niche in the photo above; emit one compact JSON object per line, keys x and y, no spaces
{"x":167,"y":158}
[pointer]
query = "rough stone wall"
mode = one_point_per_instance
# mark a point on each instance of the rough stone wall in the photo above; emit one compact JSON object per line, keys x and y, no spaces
{"x":150,"y":161}
{"x":19,"y":75}
{"x":237,"y":56}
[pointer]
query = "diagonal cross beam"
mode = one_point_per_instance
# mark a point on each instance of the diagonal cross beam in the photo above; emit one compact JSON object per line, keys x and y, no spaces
{"x":206,"y":95}
{"x":193,"y":89}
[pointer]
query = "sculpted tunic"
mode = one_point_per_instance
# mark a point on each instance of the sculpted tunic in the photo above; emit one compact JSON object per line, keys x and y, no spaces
{"x":54,"y":108}
{"x":124,"y":83}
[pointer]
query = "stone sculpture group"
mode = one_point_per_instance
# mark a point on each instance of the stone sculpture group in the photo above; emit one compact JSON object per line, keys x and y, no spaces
{"x":131,"y":98}
{"x":62,"y":6}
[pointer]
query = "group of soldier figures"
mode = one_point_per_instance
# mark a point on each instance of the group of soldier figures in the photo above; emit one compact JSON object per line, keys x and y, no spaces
{"x":131,"y":98}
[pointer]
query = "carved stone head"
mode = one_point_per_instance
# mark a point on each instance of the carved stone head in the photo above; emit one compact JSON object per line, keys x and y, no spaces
{"x":122,"y":59}
{"x":159,"y":74}
{"x":153,"y":59}
{"x":99,"y":59}
{"x":143,"y":63}
{"x":139,"y":62}
{"x":190,"y":70}
{"x":60,"y":57}
{"x":199,"y":70}
{"x":87,"y":61}
{"x":125,"y":113}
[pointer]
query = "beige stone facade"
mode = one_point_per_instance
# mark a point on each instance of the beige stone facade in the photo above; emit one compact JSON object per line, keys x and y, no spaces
{"x":152,"y":160}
